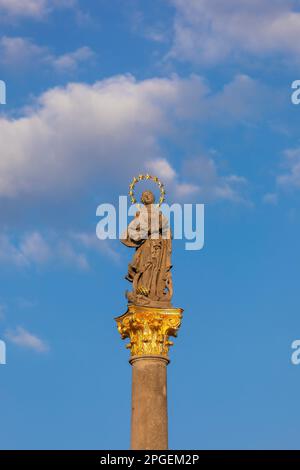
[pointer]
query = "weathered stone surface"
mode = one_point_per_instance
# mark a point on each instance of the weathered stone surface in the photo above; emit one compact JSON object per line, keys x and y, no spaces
{"x":149,"y":418}
{"x":150,"y":269}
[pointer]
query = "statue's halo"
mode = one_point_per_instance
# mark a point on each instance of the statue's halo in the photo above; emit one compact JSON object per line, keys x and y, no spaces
{"x":139,"y":178}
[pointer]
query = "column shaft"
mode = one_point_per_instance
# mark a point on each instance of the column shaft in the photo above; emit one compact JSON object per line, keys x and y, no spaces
{"x":149,"y":418}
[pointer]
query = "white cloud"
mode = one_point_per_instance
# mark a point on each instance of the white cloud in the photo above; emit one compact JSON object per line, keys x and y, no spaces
{"x":31,"y":8}
{"x":290,"y":179}
{"x":70,"y":256}
{"x":88,"y":131}
{"x":156,"y":32}
{"x":71,"y":60}
{"x":91,"y":242}
{"x":25,"y":339}
{"x":206,"y":183}
{"x":36,"y":9}
{"x":243,"y":100}
{"x":36,"y":250}
{"x":162,"y":169}
{"x":211,"y":31}
{"x":20,"y":52}
{"x":185,"y":190}
{"x":31,"y":250}
{"x":213,"y":186}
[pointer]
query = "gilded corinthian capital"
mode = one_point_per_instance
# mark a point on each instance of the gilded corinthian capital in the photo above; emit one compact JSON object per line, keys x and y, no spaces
{"x":149,"y":329}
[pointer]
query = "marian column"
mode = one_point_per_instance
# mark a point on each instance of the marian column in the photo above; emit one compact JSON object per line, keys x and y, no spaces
{"x":150,"y":320}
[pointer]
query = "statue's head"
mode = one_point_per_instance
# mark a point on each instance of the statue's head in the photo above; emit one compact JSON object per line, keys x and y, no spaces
{"x":147,"y":198}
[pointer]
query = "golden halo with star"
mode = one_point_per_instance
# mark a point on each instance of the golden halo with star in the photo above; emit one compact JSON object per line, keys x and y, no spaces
{"x":140,"y":178}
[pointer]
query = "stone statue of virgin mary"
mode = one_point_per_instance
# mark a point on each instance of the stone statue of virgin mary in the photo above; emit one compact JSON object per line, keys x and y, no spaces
{"x":150,"y":268}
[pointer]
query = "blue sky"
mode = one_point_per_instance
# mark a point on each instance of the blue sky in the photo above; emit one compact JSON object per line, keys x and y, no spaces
{"x":198,"y":92}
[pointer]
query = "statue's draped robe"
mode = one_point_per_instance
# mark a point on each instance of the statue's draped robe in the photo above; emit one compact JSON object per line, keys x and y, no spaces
{"x":150,"y":269}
